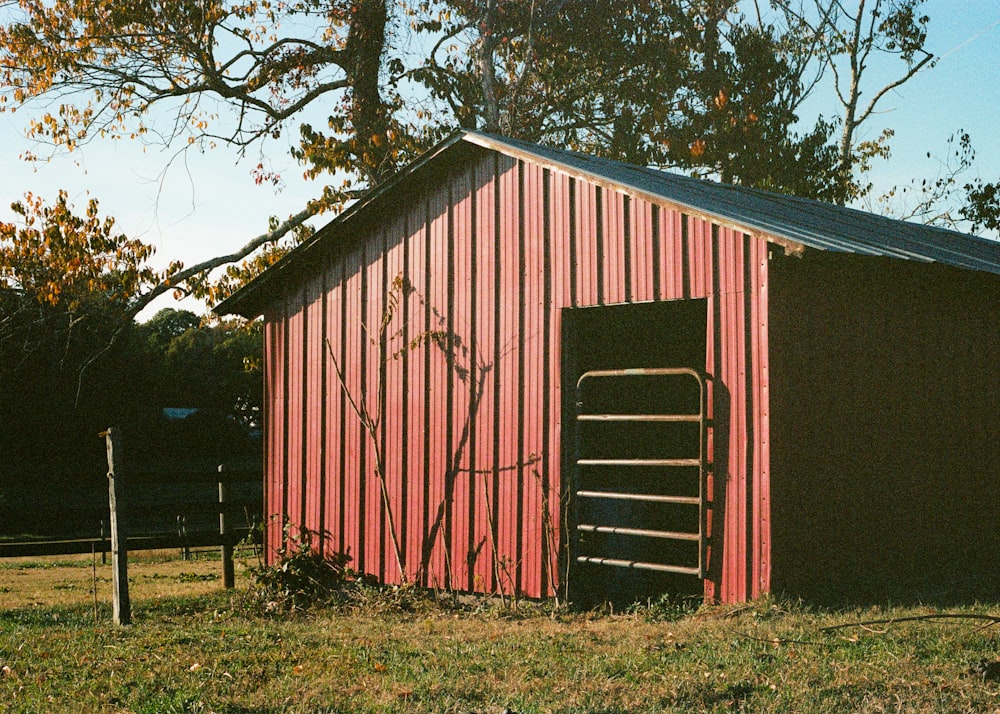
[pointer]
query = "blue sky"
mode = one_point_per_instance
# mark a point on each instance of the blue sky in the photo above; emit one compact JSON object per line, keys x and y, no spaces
{"x":203,"y":204}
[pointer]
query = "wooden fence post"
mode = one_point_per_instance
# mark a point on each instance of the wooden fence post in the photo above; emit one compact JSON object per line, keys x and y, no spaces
{"x":121,"y":607}
{"x":228,"y":571}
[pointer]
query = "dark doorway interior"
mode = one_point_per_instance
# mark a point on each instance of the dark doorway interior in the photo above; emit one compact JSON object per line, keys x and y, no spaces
{"x":647,"y":336}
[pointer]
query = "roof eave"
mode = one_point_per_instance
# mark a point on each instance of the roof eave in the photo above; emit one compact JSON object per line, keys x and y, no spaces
{"x":486,"y":141}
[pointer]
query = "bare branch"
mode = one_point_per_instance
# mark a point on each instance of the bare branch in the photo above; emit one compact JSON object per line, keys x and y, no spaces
{"x":263,"y":239}
{"x":892,"y":85}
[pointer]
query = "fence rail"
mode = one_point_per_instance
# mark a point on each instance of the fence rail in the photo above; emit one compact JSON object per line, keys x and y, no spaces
{"x":159,"y":514}
{"x":33,"y":548}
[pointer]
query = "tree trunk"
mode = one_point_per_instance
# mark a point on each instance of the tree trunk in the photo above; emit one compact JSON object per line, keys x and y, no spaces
{"x":369,"y":112}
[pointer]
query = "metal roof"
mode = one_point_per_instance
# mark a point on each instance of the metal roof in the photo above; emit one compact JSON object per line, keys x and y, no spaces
{"x":780,"y":218}
{"x":814,"y":224}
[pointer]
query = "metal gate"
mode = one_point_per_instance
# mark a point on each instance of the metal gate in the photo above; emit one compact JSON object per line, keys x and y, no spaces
{"x":641,"y":469}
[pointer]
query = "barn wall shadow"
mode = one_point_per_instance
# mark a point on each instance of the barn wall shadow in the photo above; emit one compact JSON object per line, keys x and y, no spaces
{"x":885,"y":404}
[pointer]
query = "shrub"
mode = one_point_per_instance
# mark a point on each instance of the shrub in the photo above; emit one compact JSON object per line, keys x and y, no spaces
{"x":300,"y":577}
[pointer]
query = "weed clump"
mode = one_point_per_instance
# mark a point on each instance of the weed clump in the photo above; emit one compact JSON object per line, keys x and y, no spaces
{"x":666,"y":608}
{"x":301,"y":577}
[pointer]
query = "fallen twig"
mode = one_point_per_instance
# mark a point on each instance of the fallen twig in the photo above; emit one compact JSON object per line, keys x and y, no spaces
{"x":991,"y":619}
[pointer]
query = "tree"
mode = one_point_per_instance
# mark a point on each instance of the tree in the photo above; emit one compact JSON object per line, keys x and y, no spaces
{"x":167,"y":324}
{"x":670,"y":84}
{"x":222,"y":72}
{"x":847,"y":40}
{"x":66,"y":281}
{"x":72,"y":362}
{"x":212,"y":367}
{"x":686,"y":83}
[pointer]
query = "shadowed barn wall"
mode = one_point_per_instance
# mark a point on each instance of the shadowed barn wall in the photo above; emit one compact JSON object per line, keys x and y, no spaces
{"x":885,"y":423}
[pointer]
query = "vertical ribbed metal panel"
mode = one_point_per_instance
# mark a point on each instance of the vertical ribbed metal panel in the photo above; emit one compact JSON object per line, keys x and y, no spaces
{"x":486,"y":347}
{"x":334,"y":409}
{"x":459,"y":400}
{"x":275,"y":374}
{"x":757,"y":295}
{"x":643,"y":251}
{"x":314,"y":404}
{"x":614,"y":248}
{"x":295,"y":429}
{"x":533,"y":446}
{"x":354,"y":440}
{"x":394,"y":402}
{"x":507,"y":466}
{"x":434,"y":287}
{"x":472,"y":392}
{"x":372,"y":517}
{"x":416,"y":406}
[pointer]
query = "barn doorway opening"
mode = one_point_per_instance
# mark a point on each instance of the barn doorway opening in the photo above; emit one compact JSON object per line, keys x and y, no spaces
{"x":635,"y":449}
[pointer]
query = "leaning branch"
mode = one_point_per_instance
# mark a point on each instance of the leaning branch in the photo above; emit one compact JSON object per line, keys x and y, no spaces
{"x":892,"y":85}
{"x":176,"y":279}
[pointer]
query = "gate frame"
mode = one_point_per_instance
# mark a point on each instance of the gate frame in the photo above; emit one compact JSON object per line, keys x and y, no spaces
{"x":701,"y":462}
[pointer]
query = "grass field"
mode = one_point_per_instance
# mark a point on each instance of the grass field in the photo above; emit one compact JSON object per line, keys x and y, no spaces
{"x":190,"y":650}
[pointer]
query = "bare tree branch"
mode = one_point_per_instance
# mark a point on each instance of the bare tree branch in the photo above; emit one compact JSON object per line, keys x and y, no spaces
{"x":174,"y":280}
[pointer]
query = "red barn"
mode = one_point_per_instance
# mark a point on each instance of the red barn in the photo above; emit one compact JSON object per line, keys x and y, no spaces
{"x":624,"y":381}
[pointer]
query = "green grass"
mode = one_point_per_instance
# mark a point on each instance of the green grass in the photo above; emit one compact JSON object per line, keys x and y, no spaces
{"x":198,"y":654}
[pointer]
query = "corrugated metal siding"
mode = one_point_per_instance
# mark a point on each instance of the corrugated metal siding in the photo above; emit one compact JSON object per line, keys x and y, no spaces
{"x":274,"y":421}
{"x":471,"y":413}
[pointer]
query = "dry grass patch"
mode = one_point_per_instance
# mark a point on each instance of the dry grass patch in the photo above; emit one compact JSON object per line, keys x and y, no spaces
{"x":70,"y":580}
{"x":197,"y":653}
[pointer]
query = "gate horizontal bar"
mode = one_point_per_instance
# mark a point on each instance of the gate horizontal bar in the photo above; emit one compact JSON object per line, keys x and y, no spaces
{"x":638,"y":462}
{"x":637,"y":565}
{"x":694,"y":418}
{"x":651,"y":372}
{"x":684,"y":500}
{"x":669,"y":535}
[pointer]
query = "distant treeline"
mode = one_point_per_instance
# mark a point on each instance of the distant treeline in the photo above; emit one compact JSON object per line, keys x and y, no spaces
{"x":183,"y":393}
